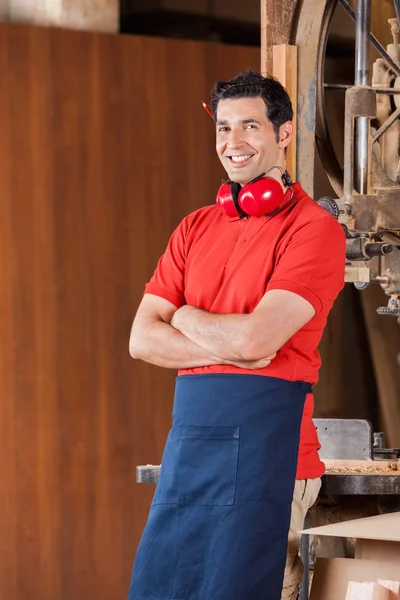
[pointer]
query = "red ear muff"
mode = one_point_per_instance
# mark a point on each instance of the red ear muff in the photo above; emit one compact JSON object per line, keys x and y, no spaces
{"x":257,"y":198}
{"x":261,"y":197}
{"x":225,"y":200}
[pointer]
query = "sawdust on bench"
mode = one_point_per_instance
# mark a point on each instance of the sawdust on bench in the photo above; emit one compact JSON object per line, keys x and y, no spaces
{"x":368,"y":468}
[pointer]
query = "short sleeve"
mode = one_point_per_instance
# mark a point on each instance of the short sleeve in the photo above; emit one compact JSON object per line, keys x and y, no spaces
{"x":169,"y":276}
{"x":312,"y":263}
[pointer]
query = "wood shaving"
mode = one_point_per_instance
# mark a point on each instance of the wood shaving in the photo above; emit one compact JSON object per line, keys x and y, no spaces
{"x":392,"y":467}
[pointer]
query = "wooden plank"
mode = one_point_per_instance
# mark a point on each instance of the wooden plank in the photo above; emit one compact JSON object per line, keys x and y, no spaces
{"x":284,"y":68}
{"x":276,"y":28}
{"x":356,"y":274}
{"x":363,"y":590}
{"x":384,"y":528}
{"x":393,"y":586}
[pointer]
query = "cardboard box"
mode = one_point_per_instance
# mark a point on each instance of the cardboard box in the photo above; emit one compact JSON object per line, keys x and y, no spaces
{"x":377,"y":555}
{"x":332,"y":575}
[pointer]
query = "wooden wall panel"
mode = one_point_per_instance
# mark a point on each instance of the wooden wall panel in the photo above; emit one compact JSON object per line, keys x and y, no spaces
{"x":104,"y":147}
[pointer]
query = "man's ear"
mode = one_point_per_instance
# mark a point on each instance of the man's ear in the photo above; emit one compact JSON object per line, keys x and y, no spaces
{"x":285,"y":134}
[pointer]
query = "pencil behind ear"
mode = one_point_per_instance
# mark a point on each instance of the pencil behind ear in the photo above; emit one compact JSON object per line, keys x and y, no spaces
{"x":208,"y":110}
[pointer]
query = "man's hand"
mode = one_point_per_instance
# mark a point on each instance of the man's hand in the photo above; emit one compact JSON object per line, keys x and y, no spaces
{"x":184,"y":315}
{"x":253,"y":365}
{"x":179,"y":317}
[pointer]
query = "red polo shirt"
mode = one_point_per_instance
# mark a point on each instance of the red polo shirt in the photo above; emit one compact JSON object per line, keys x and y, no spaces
{"x":226,"y":265}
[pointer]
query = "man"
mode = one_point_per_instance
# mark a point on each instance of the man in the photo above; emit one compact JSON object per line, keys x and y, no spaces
{"x":238,"y":304}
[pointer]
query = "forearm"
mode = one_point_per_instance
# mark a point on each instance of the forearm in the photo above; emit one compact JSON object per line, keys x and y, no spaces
{"x":247,"y":337}
{"x":221,"y":334}
{"x":161,"y":344}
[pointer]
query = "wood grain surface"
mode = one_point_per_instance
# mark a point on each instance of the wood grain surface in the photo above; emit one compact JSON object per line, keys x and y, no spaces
{"x":104,"y":147}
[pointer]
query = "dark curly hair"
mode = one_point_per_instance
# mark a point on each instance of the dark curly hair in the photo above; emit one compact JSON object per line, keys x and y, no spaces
{"x":251,"y":84}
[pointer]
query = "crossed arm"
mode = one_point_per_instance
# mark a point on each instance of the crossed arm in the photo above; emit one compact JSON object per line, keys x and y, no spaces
{"x":189,"y":337}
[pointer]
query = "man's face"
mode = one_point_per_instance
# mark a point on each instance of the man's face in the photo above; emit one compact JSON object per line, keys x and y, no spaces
{"x":246,"y":142}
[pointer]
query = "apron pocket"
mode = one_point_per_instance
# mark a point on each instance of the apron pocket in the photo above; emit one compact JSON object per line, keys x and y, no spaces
{"x":199,"y":466}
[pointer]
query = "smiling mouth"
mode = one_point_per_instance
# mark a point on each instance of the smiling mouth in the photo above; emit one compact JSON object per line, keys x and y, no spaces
{"x":240,"y":161}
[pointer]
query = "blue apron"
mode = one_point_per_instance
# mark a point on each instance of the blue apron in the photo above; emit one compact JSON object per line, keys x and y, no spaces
{"x":219,"y":521}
